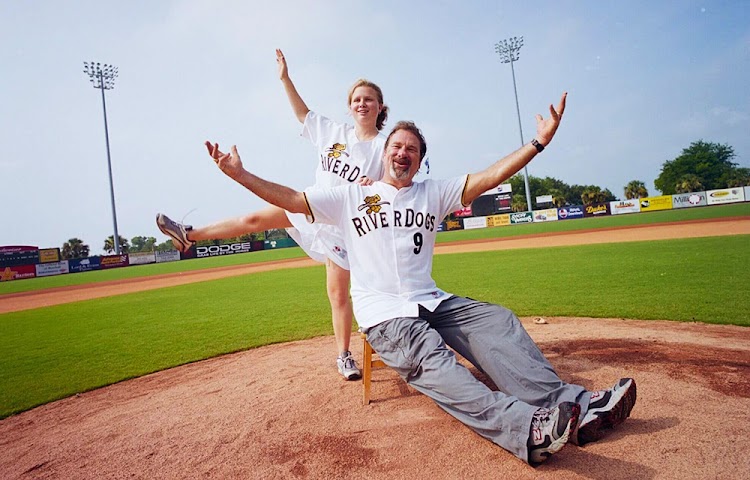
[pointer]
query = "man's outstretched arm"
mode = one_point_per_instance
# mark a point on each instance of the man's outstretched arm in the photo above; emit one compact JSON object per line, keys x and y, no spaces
{"x":503,"y":169}
{"x":273,"y":193}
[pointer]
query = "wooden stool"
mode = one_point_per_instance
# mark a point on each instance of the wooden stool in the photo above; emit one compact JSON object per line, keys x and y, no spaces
{"x":367,"y":365}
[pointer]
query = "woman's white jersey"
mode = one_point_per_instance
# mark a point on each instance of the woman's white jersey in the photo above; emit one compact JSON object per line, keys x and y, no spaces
{"x":342,"y":159}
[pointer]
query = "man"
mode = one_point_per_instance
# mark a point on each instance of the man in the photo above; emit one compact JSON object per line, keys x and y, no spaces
{"x":389,"y":229}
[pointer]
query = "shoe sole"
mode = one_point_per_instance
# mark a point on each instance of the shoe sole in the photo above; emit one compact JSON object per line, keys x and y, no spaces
{"x":179,"y":245}
{"x":597,"y":428}
{"x":538,"y":456}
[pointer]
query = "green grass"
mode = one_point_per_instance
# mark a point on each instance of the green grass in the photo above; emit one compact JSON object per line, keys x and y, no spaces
{"x":50,"y":353}
{"x":609,"y":221}
{"x":96,"y":276}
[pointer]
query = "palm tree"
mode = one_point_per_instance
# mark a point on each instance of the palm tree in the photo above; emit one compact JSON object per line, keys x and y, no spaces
{"x":109,"y":244}
{"x":518,"y":204}
{"x":689,"y":183}
{"x":558,"y":198}
{"x":74,"y":248}
{"x":593,"y":195}
{"x":635,"y":189}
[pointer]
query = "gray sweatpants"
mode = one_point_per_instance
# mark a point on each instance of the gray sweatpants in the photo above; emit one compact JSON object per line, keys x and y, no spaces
{"x":492,"y":338}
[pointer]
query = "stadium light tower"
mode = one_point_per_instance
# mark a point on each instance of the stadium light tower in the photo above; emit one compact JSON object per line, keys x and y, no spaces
{"x":103,"y":78}
{"x":508,"y":50}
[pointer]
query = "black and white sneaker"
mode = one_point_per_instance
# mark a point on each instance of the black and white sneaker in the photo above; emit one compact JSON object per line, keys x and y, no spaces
{"x":607,"y":409}
{"x":348,"y":367}
{"x":550,"y":430}
{"x":176,"y":231}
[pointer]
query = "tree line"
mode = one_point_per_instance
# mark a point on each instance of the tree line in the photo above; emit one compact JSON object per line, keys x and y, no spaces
{"x":701,"y":166}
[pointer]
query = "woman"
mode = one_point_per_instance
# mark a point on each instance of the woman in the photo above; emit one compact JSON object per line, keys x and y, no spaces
{"x":345,"y":154}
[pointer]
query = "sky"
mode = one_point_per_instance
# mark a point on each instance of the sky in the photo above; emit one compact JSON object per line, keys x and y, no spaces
{"x":645,"y":79}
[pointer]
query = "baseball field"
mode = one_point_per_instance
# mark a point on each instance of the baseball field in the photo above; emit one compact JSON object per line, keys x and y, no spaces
{"x":224,"y":367}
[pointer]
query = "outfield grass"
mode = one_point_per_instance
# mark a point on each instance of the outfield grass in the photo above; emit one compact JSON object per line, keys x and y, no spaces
{"x":739,"y":209}
{"x":50,"y":353}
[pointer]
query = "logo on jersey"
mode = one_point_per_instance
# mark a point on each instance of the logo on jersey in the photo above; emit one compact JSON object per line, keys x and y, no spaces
{"x":372,"y":204}
{"x":335,"y":150}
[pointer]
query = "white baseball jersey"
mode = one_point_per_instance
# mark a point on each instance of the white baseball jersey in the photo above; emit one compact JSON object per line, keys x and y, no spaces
{"x":342,"y":159}
{"x":390,"y":237}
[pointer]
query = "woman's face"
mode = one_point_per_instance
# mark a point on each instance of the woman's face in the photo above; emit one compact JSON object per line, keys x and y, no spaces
{"x":364,"y":106}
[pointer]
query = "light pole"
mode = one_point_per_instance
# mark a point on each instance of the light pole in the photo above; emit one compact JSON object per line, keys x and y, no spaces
{"x":103,"y":78}
{"x":508,"y":51}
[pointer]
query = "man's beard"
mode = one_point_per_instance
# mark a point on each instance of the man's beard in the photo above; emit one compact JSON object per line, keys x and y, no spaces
{"x":399,"y":174}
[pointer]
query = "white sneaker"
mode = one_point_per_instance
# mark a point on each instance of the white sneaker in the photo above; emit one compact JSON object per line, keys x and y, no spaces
{"x":607,"y":409}
{"x":550,"y":430}
{"x":348,"y":367}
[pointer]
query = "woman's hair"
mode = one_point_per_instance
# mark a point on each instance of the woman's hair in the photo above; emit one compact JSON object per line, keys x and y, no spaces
{"x":383,"y":115}
{"x":410,"y":127}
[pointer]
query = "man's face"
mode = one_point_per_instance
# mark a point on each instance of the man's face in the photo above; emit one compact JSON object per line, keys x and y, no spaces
{"x":401,"y":159}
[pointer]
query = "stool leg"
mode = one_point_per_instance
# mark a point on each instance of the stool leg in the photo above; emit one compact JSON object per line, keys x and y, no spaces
{"x":366,"y":371}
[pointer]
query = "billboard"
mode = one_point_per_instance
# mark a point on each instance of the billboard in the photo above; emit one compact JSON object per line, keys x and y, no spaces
{"x":475,"y":222}
{"x":113,"y":261}
{"x":596,"y":210}
{"x":464,"y":212}
{"x":619,"y":207}
{"x":13,"y":255}
{"x":78,"y":265}
{"x":725,"y":195}
{"x":141,"y":258}
{"x":546,"y":215}
{"x":48,"y":269}
{"x":456,"y":224}
{"x":521,"y":217}
{"x":571,"y":211}
{"x":168,"y":256}
{"x":649,"y":204}
{"x":747,"y":194}
{"x":17,"y":272}
{"x":228,"y":249}
{"x":498,"y":220}
{"x":49,"y":255}
{"x":685,"y":200}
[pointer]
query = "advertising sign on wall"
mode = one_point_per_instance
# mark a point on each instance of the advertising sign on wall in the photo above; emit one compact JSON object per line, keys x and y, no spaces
{"x":464,"y":212}
{"x":13,"y":255}
{"x":229,"y":249}
{"x":48,"y":269}
{"x":725,"y":195}
{"x":684,"y":200}
{"x":619,"y":207}
{"x":572,"y":211}
{"x":168,"y":256}
{"x":78,"y":265}
{"x":475,"y":222}
{"x":521,"y":217}
{"x":48,"y":255}
{"x":141,"y":258}
{"x":498,"y":220}
{"x":649,"y":204}
{"x":596,"y":210}
{"x":546,"y":215}
{"x":747,"y":194}
{"x":456,"y":224}
{"x":17,"y":272}
{"x":113,"y":261}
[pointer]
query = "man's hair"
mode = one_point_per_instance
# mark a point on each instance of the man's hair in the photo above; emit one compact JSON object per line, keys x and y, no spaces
{"x":383,"y":115}
{"x":410,"y":127}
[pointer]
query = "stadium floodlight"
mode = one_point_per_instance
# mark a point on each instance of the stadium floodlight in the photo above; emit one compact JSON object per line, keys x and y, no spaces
{"x":508,"y":50}
{"x":103,"y":78}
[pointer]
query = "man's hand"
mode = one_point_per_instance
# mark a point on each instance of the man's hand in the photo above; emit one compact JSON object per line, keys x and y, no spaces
{"x":281,"y":62}
{"x":229,"y":163}
{"x":546,"y":128}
